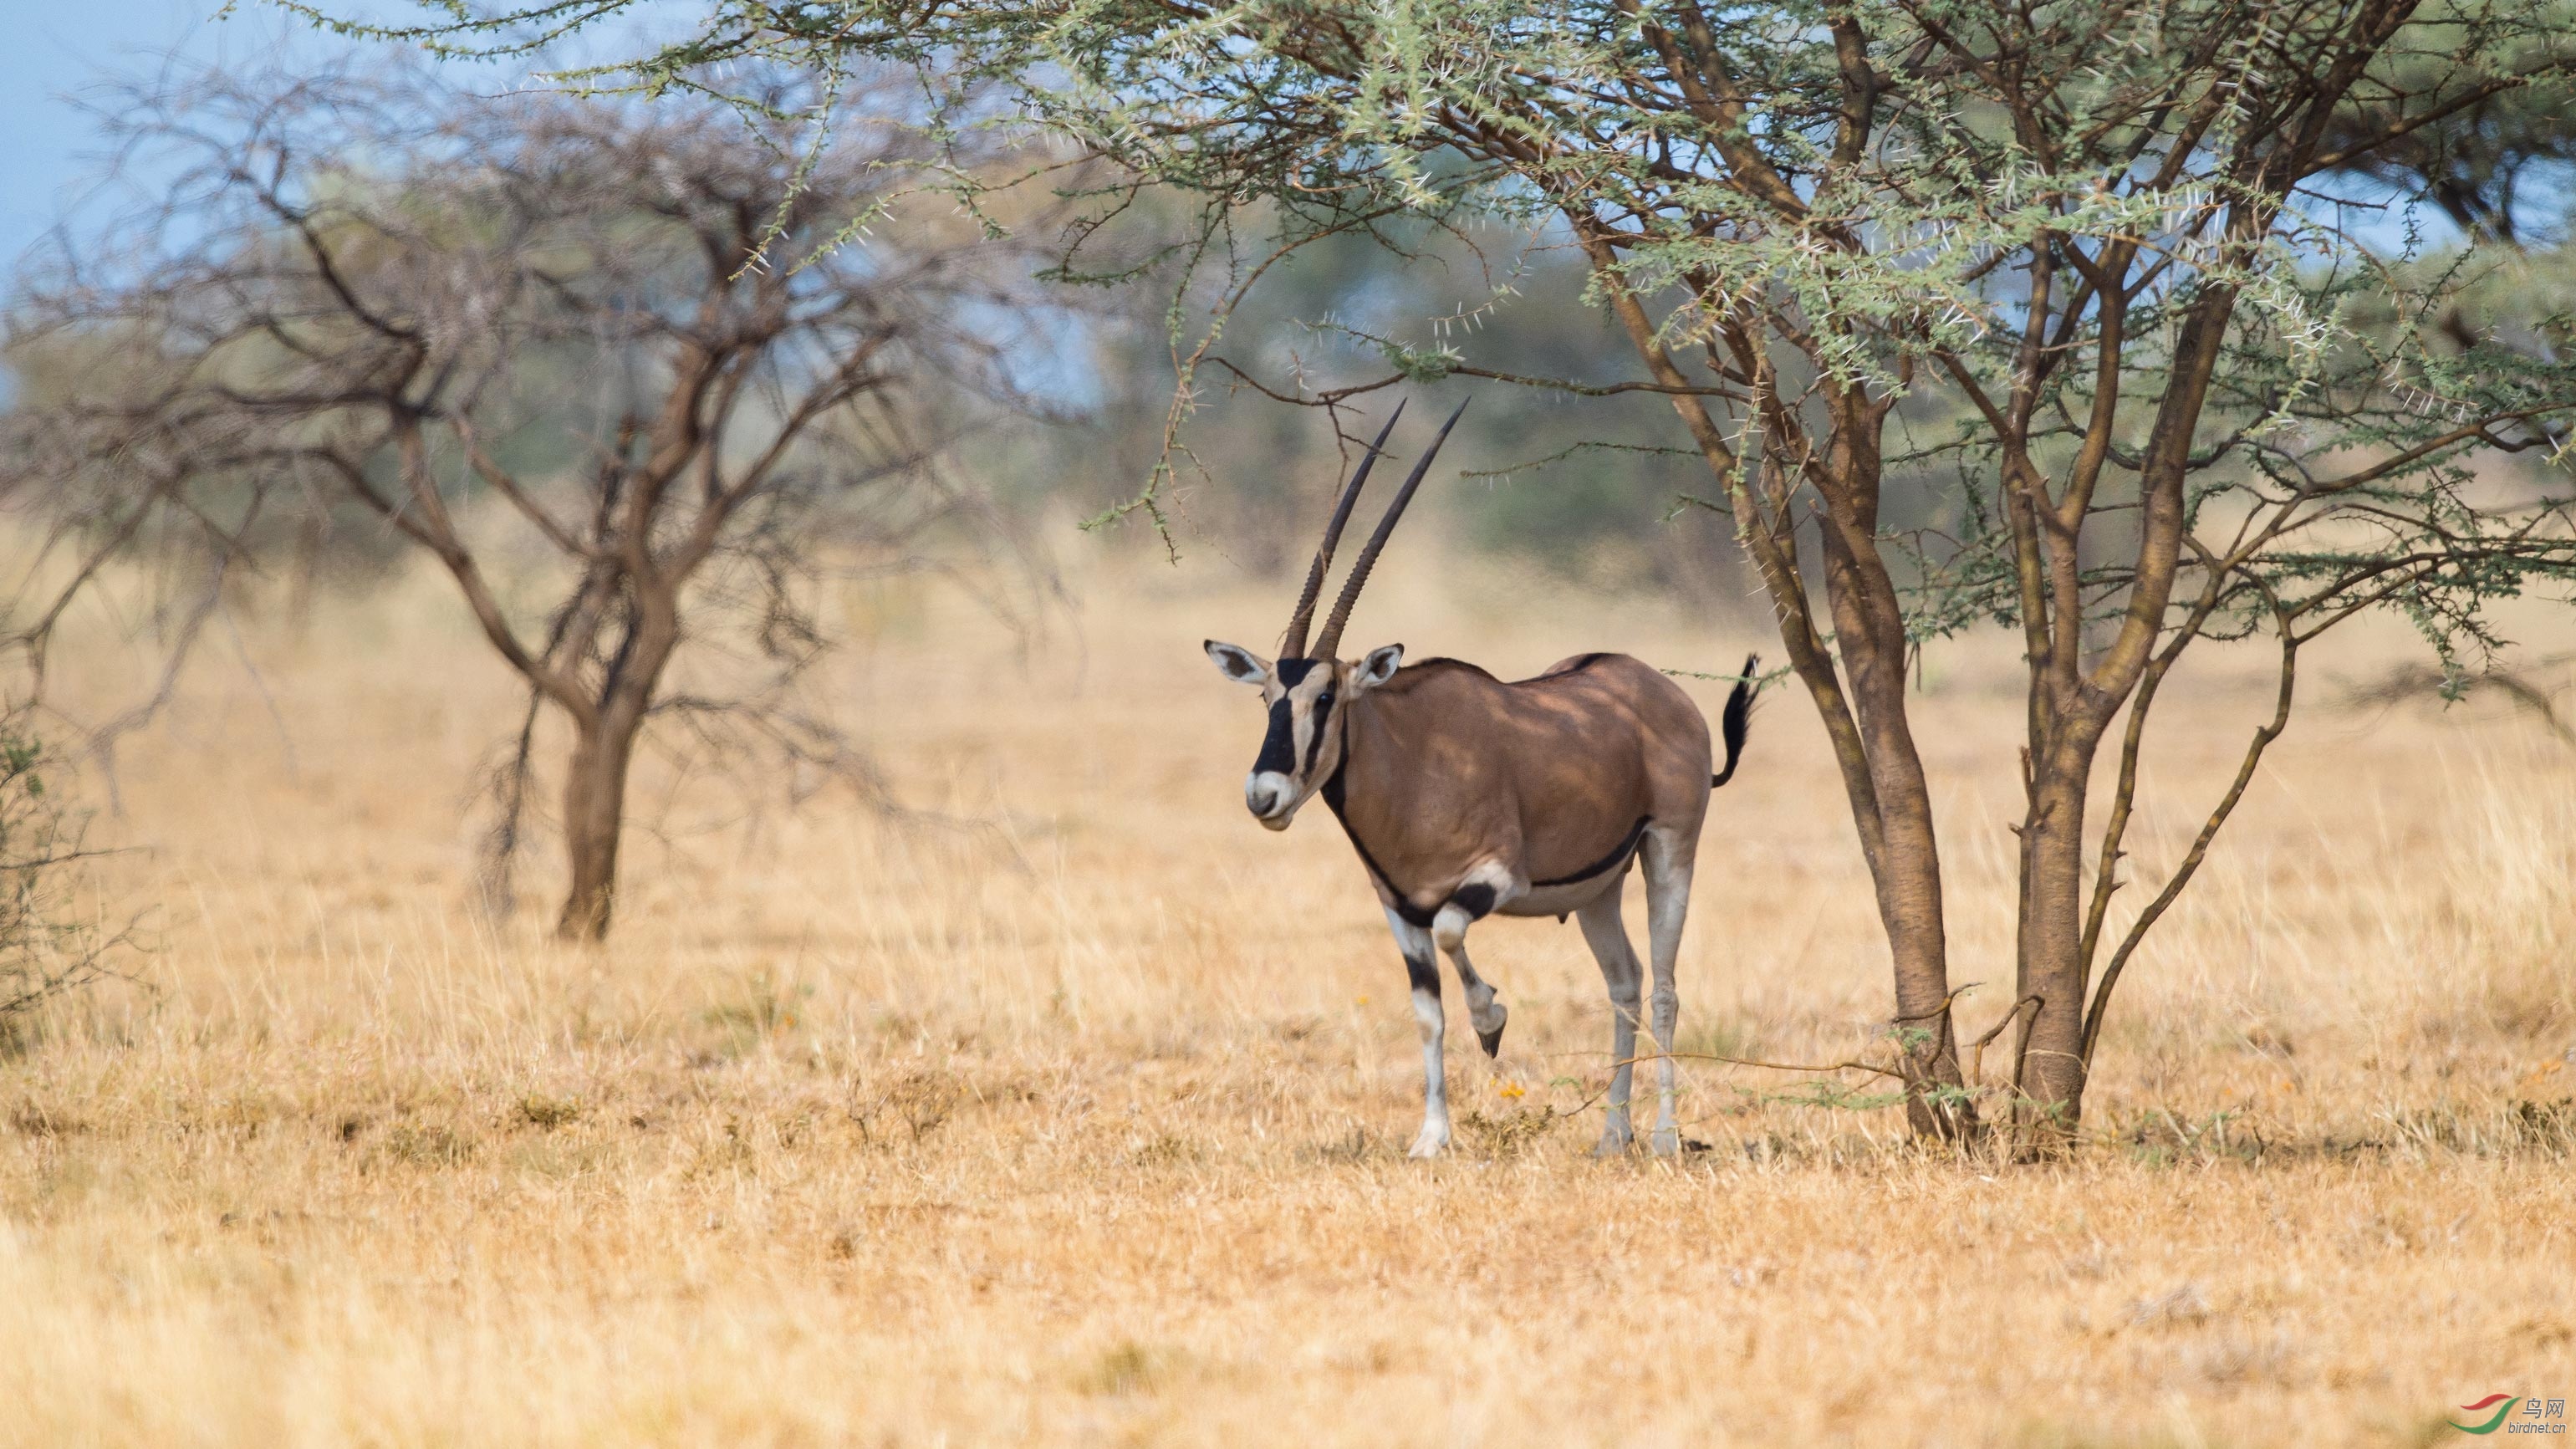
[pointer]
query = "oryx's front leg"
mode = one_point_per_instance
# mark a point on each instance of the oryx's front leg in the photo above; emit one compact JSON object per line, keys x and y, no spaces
{"x":1668,"y":884}
{"x":1449,"y":930}
{"x":1620,"y":973}
{"x":1424,"y":971}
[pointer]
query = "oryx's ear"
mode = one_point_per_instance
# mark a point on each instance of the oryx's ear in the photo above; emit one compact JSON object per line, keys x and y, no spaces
{"x":1240,"y":664}
{"x":1377,"y":668}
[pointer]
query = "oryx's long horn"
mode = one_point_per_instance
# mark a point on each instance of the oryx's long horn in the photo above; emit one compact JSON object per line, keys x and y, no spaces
{"x":1377,"y":541}
{"x":1293,"y":646}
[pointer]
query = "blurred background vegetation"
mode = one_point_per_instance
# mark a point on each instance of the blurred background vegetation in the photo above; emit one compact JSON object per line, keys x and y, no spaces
{"x":1530,"y":483}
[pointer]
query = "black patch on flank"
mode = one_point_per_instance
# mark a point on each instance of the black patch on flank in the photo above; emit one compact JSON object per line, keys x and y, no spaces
{"x":1279,"y":746}
{"x":1476,"y":899}
{"x":1405,"y":910}
{"x":1423,"y":975}
{"x":1619,"y":856}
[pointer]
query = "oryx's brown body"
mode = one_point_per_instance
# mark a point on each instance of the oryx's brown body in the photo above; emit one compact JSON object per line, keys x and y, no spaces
{"x":1450,"y":775}
{"x":1465,"y":796}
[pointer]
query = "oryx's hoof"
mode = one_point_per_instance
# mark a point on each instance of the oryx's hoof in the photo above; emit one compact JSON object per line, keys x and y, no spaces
{"x":1667,"y":1141}
{"x":1433,"y":1141}
{"x":1614,"y":1142}
{"x":1492,"y":1041}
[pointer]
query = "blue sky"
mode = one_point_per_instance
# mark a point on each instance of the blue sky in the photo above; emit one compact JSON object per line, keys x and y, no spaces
{"x":58,"y":48}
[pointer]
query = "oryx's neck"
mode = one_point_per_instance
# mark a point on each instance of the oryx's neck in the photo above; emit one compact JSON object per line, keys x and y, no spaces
{"x":1371,"y":791}
{"x":1379,"y":732}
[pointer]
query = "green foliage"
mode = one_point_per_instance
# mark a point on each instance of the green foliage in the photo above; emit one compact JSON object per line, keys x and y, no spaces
{"x":1900,"y":241}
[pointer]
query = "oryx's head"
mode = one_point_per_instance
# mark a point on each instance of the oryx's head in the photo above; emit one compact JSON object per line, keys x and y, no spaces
{"x":1308,"y":692}
{"x":1304,"y":744}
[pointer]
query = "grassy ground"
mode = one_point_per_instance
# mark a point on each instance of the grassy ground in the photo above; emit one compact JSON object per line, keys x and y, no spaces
{"x":1084,"y":1124}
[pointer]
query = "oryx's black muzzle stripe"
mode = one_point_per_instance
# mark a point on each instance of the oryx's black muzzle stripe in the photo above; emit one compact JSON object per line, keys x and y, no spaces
{"x":1279,"y":747}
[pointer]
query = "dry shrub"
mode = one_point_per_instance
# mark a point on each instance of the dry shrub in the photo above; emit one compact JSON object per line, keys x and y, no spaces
{"x":1506,"y":1132}
{"x":46,"y":949}
{"x":909,"y":1108}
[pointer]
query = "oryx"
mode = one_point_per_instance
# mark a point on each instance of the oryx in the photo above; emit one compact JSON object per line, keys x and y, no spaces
{"x":1465,"y":795}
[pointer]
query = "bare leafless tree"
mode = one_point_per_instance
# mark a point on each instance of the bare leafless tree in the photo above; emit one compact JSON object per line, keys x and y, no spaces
{"x":686,"y":368}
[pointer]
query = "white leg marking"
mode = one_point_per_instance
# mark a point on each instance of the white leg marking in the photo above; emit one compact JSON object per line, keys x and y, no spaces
{"x":1609,"y":942}
{"x":1668,"y":885}
{"x":1480,"y":996}
{"x":1449,"y":931}
{"x":1424,"y":970}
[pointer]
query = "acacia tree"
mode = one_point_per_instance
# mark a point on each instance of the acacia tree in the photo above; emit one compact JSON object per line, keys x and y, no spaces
{"x":2087,"y":259}
{"x":630,"y":376}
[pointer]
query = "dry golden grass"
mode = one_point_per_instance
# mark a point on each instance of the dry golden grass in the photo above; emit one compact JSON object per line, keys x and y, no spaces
{"x":1086,"y":1128}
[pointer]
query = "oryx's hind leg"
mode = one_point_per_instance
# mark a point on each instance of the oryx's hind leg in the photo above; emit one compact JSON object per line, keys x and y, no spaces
{"x":1668,"y":860}
{"x":1424,"y":971}
{"x":1621,"y":974}
{"x":1449,"y":930}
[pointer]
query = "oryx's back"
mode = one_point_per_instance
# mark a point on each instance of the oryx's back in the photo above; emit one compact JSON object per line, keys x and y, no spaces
{"x":1609,"y":722}
{"x":1611,"y":729}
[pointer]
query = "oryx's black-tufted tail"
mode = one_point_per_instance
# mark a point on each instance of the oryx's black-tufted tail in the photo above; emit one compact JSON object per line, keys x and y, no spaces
{"x":1731,"y":723}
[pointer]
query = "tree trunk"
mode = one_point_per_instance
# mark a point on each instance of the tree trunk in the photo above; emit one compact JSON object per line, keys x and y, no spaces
{"x":1869,"y":630}
{"x":1906,"y":867}
{"x":604,"y":746}
{"x":1908,"y":879}
{"x":594,"y":820}
{"x":2048,"y":1072}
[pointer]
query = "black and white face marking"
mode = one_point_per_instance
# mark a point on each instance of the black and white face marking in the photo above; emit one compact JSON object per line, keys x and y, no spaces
{"x":1294,"y":753}
{"x":1302,"y":746}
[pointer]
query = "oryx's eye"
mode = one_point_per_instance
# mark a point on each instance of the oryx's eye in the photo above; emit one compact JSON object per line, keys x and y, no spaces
{"x":1323,"y":704}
